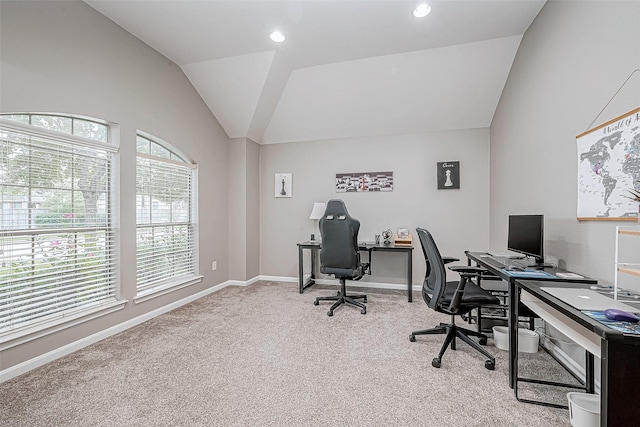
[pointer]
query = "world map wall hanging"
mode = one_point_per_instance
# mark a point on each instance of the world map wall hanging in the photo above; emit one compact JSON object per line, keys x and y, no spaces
{"x":608,"y":167}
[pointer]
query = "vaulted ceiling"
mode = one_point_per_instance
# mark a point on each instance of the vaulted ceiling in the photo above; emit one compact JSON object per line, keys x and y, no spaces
{"x":347,"y":68}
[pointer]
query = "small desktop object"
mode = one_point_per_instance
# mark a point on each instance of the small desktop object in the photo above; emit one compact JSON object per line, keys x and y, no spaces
{"x":386,"y":235}
{"x":621,"y":315}
{"x":526,"y":236}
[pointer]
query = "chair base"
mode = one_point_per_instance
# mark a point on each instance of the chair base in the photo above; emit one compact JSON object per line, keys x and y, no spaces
{"x":453,"y":331}
{"x":343,"y":298}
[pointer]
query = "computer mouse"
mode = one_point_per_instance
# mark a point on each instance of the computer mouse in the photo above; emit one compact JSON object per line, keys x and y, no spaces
{"x":621,"y":315}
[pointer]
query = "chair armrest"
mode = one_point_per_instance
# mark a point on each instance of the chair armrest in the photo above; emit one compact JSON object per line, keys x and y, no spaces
{"x":448,"y":259}
{"x":466,"y":273}
{"x":363,"y":268}
{"x":366,"y":268}
{"x":454,"y":305}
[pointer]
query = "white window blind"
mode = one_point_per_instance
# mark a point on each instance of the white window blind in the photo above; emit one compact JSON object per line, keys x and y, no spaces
{"x":57,"y":251}
{"x":164,"y":217}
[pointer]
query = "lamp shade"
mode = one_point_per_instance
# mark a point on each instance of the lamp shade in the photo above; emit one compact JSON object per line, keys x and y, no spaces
{"x":318,"y":211}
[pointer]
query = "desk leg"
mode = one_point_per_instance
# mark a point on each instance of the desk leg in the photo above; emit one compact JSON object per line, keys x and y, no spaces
{"x":619,"y":382}
{"x":300,"y":270}
{"x":589,"y":377}
{"x":302,"y":285}
{"x":314,"y":255}
{"x":409,"y":276}
{"x":513,"y":334}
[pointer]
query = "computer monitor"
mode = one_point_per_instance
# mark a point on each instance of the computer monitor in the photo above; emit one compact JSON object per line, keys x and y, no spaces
{"x":526,"y":235}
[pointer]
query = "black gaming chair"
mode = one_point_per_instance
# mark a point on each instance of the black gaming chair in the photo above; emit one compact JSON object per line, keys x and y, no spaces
{"x":453,"y":298}
{"x":339,"y":253}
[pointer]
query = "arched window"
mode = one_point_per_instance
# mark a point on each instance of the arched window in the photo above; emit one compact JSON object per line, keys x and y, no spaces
{"x":165,"y":216}
{"x":57,"y":251}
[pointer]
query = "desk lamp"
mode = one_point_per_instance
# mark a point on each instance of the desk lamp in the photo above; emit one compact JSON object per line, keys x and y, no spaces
{"x":316,"y":213}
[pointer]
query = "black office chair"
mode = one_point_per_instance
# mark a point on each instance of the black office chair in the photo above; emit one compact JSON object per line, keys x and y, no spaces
{"x":453,"y":298}
{"x":339,"y":254}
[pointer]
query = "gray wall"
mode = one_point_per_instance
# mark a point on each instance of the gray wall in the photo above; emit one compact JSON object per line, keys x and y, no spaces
{"x":244,"y":203}
{"x":253,"y":210}
{"x":571,"y":62}
{"x":457,"y":218}
{"x":65,"y":57}
{"x":237,"y":204}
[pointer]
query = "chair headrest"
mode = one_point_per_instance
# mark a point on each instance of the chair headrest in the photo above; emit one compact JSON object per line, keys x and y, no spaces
{"x":339,"y":217}
{"x":336,"y":209}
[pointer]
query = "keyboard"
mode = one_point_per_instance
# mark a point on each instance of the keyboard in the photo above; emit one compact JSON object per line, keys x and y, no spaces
{"x":503,"y":261}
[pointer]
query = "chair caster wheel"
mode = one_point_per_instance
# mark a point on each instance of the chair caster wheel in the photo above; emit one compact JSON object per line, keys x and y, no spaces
{"x":483,"y":341}
{"x":363,"y":311}
{"x":435,"y":362}
{"x":412,"y":338}
{"x":364,"y":300}
{"x":490,"y":365}
{"x":316,"y":302}
{"x":329,"y":313}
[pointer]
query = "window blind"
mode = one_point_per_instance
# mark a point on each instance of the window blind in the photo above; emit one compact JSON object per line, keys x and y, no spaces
{"x":164,"y":216}
{"x":57,"y":248}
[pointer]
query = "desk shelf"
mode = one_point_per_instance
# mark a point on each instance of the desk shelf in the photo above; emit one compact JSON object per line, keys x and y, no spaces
{"x":629,"y":232}
{"x":627,"y":261}
{"x":632,"y":271}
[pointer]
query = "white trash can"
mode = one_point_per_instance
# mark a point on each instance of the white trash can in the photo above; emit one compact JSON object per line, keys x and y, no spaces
{"x":527,"y":339}
{"x":584,"y":409}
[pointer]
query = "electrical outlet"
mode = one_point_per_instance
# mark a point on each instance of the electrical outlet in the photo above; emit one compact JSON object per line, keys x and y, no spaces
{"x":214,"y":265}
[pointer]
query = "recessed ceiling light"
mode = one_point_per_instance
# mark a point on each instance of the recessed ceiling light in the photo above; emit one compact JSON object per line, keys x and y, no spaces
{"x":277,"y":37}
{"x":422,"y":10}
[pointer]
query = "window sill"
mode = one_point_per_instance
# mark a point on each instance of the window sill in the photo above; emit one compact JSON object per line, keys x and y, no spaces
{"x":32,"y":332}
{"x":165,"y":288}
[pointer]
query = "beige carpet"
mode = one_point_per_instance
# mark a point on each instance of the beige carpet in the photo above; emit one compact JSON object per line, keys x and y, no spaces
{"x":264,"y":355}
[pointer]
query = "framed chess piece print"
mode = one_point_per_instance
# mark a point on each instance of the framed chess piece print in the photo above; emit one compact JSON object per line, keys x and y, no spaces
{"x":448,"y":175}
{"x":283,"y":185}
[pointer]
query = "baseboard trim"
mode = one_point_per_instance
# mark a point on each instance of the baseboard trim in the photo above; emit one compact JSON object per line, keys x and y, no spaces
{"x":277,"y":279}
{"x":43,"y":359}
{"x":371,"y":285}
{"x":355,"y":284}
